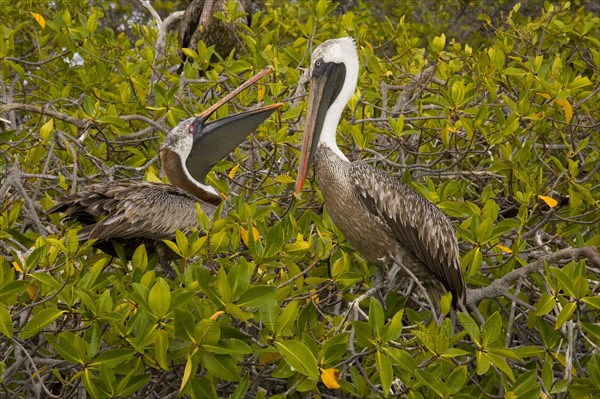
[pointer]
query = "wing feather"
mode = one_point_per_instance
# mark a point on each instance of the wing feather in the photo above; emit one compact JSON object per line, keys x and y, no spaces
{"x":142,"y":210}
{"x":418,"y":224}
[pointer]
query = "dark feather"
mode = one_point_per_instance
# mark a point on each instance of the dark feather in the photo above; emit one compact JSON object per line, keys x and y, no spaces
{"x":131,"y":214}
{"x":416,"y":223}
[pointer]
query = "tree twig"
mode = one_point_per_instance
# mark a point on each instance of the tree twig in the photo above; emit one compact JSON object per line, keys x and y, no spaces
{"x":500,"y":287}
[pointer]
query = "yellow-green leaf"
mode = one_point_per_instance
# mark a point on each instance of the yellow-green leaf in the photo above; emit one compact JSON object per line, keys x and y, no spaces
{"x":386,"y":372}
{"x":6,"y":325}
{"x":159,"y":298}
{"x":161,"y":345}
{"x":46,"y":129}
{"x":233,"y":170}
{"x":39,"y":18}
{"x":39,"y":321}
{"x":564,"y":314}
{"x":299,"y":357}
{"x":330,"y":378}
{"x":551,"y":202}
{"x":189,"y":52}
{"x":284,"y":179}
{"x":567,"y":108}
{"x":187,"y":372}
{"x":505,"y":249}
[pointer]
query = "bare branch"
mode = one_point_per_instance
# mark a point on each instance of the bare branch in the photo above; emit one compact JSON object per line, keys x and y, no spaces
{"x":80,"y":123}
{"x":500,"y":287}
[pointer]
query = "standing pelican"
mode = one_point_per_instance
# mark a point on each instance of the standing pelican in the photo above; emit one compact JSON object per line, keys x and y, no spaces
{"x":147,"y":213}
{"x":385,"y":220}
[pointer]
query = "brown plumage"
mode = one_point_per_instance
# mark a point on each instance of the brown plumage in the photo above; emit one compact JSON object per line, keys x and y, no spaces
{"x":381,"y":216}
{"x":386,"y":221}
{"x":199,"y":23}
{"x":133,"y":214}
{"x":147,"y":213}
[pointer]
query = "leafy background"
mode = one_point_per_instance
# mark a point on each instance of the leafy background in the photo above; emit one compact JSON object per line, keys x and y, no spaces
{"x":489,"y":111}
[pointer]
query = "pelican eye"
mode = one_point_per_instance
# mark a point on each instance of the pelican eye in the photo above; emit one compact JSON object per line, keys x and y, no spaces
{"x":194,"y":125}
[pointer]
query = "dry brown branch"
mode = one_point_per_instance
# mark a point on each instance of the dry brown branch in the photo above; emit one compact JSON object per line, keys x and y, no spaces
{"x":80,"y":123}
{"x":500,"y":287}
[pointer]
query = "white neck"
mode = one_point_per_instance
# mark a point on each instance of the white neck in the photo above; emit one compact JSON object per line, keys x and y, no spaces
{"x":334,"y":113}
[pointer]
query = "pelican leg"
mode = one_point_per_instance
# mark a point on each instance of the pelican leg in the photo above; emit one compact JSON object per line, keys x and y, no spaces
{"x":414,"y":278}
{"x":381,"y":288}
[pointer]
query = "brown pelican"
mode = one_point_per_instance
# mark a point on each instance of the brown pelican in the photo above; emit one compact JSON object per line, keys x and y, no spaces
{"x":145,"y":212}
{"x":199,"y":23}
{"x":387,"y":222}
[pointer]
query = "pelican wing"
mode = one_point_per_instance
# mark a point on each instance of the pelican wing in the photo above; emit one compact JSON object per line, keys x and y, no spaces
{"x":142,"y":210}
{"x":418,"y":224}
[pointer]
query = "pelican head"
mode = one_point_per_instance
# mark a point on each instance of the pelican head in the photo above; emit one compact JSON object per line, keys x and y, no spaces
{"x":333,"y":77}
{"x":195,"y":145}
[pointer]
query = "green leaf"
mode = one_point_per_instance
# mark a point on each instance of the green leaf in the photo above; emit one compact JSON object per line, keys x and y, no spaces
{"x":386,"y":373}
{"x":483,"y":362}
{"x":161,"y":346}
{"x":113,"y":357}
{"x":491,"y":329}
{"x":393,"y":329}
{"x":593,"y":301}
{"x":6,"y":324}
{"x":223,"y":286}
{"x":470,"y":327}
{"x":501,"y":364}
{"x":509,"y":353}
{"x":299,"y":357}
{"x":189,"y":53}
{"x":564,"y":281}
{"x":435,"y":384}
{"x":190,"y":366}
{"x":91,"y":385}
{"x":207,"y":331}
{"x":334,"y":349}
{"x":230,"y":346}
{"x":593,"y":367}
{"x":403,"y":359}
{"x":239,"y":278}
{"x":257,"y":296}
{"x":545,"y":304}
{"x":132,"y":383}
{"x":592,"y":331}
{"x":221,"y":366}
{"x":139,"y":260}
{"x":173,"y":247}
{"x":526,"y":386}
{"x":454,"y":352}
{"x":581,"y":287}
{"x":242,"y":388}
{"x":182,"y":241}
{"x":457,"y":379}
{"x":40,"y":320}
{"x":159,"y":298}
{"x":13,"y":288}
{"x":565,"y":314}
{"x":376,"y":317}
{"x":286,"y":319}
{"x":71,"y":347}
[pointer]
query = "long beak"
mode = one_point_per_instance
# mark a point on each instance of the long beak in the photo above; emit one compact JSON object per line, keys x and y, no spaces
{"x":221,"y":136}
{"x":214,"y":140}
{"x":325,"y":85}
{"x":204,"y":115}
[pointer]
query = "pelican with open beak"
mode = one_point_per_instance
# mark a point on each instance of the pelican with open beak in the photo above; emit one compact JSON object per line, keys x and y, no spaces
{"x":146,"y":212}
